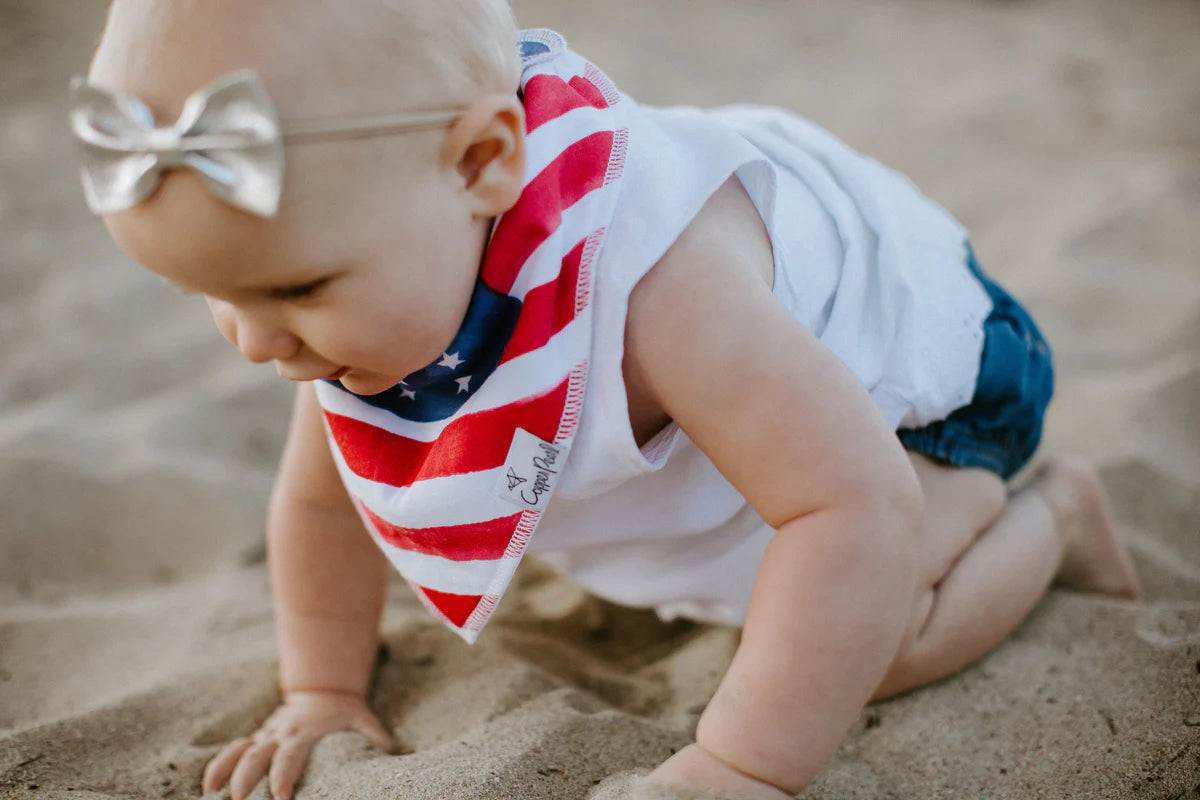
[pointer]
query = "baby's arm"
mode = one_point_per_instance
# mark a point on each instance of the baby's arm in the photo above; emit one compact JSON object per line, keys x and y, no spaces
{"x":328,"y":580}
{"x":788,"y":424}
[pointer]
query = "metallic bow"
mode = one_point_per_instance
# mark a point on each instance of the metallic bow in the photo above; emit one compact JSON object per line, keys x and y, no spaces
{"x":228,"y":133}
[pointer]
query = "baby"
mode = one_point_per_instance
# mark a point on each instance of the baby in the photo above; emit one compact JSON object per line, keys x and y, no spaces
{"x":713,"y":363}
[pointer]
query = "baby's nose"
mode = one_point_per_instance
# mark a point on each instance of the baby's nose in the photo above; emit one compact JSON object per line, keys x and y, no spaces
{"x":260,"y":342}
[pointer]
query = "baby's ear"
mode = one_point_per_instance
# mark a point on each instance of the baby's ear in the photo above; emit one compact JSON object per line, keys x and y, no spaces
{"x":487,"y":148}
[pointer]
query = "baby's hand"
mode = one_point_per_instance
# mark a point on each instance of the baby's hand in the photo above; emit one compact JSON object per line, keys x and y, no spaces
{"x":283,"y":743}
{"x":693,"y":774}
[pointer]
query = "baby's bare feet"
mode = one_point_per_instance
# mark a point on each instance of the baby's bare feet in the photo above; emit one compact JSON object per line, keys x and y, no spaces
{"x":1094,"y":559}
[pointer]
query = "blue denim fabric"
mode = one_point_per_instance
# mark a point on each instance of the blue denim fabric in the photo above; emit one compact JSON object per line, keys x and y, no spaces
{"x":1000,"y":428}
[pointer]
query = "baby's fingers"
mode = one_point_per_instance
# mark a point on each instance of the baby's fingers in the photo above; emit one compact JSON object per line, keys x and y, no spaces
{"x":286,"y":767}
{"x":217,"y":773}
{"x":251,"y":768}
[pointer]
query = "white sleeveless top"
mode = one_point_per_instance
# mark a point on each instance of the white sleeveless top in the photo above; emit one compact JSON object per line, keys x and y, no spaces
{"x":862,"y":259}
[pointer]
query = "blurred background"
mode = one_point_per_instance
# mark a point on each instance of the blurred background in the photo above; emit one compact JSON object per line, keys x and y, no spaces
{"x":136,"y":448}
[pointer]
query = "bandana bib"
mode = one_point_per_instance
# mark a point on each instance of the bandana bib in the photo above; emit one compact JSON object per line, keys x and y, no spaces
{"x":452,"y":468}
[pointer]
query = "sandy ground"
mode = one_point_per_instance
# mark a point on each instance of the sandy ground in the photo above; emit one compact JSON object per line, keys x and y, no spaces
{"x":136,"y":450}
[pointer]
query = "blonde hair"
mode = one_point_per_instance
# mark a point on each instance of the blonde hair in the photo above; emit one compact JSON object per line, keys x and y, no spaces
{"x":441,"y":52}
{"x":470,"y":43}
{"x":452,"y":51}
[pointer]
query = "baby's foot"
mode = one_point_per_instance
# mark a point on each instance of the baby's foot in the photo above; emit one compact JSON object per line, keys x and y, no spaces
{"x":1094,"y":559}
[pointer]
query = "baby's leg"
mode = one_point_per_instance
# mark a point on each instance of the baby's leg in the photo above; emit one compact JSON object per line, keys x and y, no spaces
{"x":988,"y":558}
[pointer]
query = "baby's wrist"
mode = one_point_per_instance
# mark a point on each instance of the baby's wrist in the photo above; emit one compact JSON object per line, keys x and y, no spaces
{"x":695,"y":767}
{"x":754,"y":779}
{"x":300,"y":692}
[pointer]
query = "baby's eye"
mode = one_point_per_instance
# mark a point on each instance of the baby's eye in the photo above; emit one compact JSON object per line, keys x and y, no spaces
{"x":299,"y":291}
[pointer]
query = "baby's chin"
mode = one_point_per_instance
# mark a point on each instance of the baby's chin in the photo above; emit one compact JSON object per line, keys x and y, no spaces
{"x":366,"y":384}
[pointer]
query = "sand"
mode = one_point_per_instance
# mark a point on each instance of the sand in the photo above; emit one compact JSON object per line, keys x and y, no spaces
{"x":136,"y":450}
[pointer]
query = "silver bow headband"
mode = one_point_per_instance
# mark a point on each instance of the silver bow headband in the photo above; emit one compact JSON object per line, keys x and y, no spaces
{"x":228,"y":133}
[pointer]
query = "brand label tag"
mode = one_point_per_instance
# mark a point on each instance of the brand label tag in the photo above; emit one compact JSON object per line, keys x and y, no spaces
{"x":530,"y":471}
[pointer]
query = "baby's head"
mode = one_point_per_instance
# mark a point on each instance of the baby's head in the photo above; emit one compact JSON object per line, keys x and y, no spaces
{"x":367,"y":268}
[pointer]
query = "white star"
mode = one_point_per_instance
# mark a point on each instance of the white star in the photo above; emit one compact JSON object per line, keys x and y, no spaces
{"x":409,"y":393}
{"x":463,"y":384}
{"x":450,"y":361}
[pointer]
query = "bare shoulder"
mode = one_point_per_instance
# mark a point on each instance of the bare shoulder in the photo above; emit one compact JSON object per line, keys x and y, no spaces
{"x":727,"y":225}
{"x":710,"y":347}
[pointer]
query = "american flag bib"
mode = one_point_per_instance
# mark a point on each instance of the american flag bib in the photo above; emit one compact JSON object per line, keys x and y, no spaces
{"x":452,"y":468}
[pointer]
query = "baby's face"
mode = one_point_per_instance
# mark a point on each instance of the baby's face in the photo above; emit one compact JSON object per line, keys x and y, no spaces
{"x":364,"y":277}
{"x":366,"y":273}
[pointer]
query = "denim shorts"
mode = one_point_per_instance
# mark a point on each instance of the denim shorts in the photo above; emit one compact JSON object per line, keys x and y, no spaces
{"x":1000,"y":428}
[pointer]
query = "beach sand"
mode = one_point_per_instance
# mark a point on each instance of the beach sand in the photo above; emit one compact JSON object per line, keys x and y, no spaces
{"x":136,"y":450}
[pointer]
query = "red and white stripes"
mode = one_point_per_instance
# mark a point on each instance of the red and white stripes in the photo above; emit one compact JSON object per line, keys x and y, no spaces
{"x":426,"y":490}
